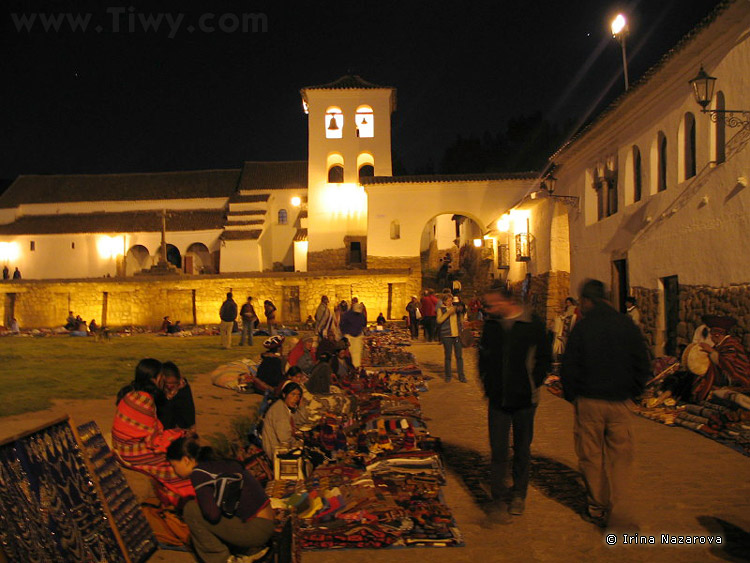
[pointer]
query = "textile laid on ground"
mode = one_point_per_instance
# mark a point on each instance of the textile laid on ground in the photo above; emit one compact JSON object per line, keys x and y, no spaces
{"x":124,"y":506}
{"x":237,"y":376}
{"x":379,"y":483}
{"x":50,"y":509}
{"x":388,"y":348}
{"x":723,"y":416}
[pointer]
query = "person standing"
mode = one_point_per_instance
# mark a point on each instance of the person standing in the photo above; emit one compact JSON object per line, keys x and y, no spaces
{"x":514,"y":358}
{"x":249,"y":318}
{"x":16,"y":274}
{"x":450,"y":318}
{"x":6,"y":272}
{"x":353,"y":323}
{"x":323,"y":317}
{"x":428,"y":306}
{"x":414,"y":316}
{"x":605,"y":366}
{"x":269,"y":310}
{"x":631,"y":307}
{"x":227,"y":314}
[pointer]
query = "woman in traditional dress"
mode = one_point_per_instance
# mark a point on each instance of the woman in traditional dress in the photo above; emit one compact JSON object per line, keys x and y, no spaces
{"x":139,"y":438}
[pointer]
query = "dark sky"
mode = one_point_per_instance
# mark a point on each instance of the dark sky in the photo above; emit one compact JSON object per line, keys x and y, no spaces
{"x":88,"y":102}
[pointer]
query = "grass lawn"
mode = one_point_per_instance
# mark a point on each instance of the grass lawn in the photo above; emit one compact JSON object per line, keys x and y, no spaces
{"x":34,"y":371}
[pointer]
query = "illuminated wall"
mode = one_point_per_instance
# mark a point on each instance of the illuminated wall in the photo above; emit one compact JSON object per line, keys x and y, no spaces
{"x":339,"y":210}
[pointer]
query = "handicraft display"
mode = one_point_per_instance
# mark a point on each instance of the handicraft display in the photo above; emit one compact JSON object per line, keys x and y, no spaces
{"x":50,"y":510}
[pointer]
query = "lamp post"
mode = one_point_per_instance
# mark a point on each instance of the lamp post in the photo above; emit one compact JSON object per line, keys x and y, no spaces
{"x":703,"y":90}
{"x":620,"y":30}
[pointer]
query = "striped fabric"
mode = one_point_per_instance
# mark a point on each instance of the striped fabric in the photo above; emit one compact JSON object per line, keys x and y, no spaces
{"x":140,"y":440}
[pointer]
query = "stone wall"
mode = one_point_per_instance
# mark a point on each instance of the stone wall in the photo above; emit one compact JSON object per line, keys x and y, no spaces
{"x":390,"y":262}
{"x":696,"y":301}
{"x":144,"y":301}
{"x":327,"y":260}
{"x":546,"y":295}
{"x":648,"y":304}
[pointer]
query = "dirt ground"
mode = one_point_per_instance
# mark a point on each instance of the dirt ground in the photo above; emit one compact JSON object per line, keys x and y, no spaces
{"x":685,"y":484}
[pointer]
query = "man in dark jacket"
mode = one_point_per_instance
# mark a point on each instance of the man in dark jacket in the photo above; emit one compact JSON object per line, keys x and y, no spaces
{"x":227,"y":314}
{"x":514,"y":357}
{"x":605,"y":366}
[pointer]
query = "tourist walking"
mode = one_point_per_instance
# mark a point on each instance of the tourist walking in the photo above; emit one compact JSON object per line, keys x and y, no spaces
{"x":605,"y":366}
{"x":514,"y":358}
{"x":450,"y":318}
{"x":428,"y":306}
{"x":227,"y":314}
{"x":249,"y":318}
{"x":414,"y":317}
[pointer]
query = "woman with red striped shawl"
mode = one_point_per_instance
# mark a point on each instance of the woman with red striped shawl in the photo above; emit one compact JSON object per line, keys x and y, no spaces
{"x":729,"y":366}
{"x":139,"y":438}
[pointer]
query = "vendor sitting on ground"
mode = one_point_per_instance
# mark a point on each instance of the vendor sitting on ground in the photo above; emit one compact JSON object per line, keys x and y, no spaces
{"x":321,"y":375}
{"x":278,"y":428}
{"x":271,"y":369}
{"x":380,"y":321}
{"x":70,"y":322}
{"x":139,"y":438}
{"x":341,"y":362}
{"x":244,"y":523}
{"x":177,"y":409}
{"x":729,"y":361}
{"x":176,"y":328}
{"x":303,"y":354}
{"x":165,"y":325}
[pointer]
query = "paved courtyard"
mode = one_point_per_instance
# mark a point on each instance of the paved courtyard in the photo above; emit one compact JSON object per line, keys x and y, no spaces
{"x":686,"y":484}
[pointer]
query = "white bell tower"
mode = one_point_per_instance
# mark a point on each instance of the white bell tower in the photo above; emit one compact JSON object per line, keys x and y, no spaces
{"x":349,"y":136}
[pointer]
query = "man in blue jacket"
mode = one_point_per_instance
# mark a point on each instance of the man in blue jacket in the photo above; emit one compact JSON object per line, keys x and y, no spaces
{"x":604,"y":368}
{"x":227,"y":314}
{"x":514,"y":358}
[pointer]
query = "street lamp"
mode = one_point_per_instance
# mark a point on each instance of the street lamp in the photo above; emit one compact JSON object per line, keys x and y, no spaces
{"x":703,"y":90}
{"x":620,"y":30}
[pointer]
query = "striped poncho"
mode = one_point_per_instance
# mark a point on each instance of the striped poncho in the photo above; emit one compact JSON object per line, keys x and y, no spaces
{"x":141,"y":442}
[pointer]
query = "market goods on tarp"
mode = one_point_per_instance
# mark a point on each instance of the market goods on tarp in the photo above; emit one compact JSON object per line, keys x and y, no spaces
{"x":379,"y":484}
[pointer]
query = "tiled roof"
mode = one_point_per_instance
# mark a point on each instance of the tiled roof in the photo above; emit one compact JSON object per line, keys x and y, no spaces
{"x":434,"y":178}
{"x":127,"y":222}
{"x":255,"y":198}
{"x":347,"y":82}
{"x":285,"y":175}
{"x":235,"y":223}
{"x":248,"y":212}
{"x":648,"y":75}
{"x":241,"y":235}
{"x":120,"y":187}
{"x":300,"y":235}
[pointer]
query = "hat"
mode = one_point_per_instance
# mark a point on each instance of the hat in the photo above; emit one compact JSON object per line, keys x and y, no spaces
{"x":696,"y":359}
{"x":719,"y":321}
{"x":273,"y":342}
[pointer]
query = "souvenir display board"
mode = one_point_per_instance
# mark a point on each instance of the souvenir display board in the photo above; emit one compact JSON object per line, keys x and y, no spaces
{"x":379,"y":475}
{"x":124,"y":506}
{"x":50,"y":508}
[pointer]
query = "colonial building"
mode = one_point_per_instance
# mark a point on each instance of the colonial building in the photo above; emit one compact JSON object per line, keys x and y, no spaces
{"x":340,"y":212}
{"x":655,"y":190}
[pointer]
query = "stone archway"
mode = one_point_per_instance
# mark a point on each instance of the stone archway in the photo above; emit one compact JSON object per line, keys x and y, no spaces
{"x":138,"y":258}
{"x":198,"y":259}
{"x":447,"y":250}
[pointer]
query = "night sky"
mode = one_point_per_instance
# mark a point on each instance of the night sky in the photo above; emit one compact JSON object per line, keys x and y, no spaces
{"x":88,"y":102}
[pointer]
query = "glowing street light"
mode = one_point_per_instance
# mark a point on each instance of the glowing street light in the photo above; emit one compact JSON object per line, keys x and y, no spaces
{"x":620,"y":30}
{"x":296,"y":201}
